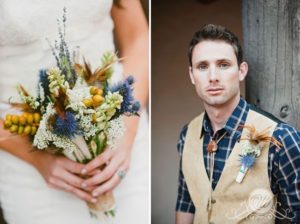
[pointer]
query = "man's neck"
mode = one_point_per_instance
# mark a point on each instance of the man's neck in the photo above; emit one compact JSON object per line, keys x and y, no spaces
{"x":218,"y":116}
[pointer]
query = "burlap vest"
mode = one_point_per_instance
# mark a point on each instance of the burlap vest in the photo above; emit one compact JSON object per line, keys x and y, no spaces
{"x":251,"y":201}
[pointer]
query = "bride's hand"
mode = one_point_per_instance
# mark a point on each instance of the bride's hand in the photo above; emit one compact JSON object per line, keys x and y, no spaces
{"x":61,"y":173}
{"x":117,"y":164}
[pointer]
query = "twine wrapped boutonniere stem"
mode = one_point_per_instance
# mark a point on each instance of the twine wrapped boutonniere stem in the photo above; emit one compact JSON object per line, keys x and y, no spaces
{"x":252,"y":143}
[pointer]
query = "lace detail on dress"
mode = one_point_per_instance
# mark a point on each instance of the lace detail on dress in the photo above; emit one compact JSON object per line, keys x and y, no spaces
{"x":23,"y":22}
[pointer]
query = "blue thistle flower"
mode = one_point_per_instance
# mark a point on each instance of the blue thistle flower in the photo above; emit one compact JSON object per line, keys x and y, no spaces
{"x":136,"y":106}
{"x":129,"y":105}
{"x":130,"y":79}
{"x":248,"y":160}
{"x":66,"y":126}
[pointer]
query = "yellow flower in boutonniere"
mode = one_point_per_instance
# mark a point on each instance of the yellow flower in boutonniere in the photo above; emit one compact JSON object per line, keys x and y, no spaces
{"x":251,"y":145}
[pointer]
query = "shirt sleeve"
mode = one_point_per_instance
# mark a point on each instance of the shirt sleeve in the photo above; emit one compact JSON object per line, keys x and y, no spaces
{"x":184,"y":202}
{"x":286,"y":170}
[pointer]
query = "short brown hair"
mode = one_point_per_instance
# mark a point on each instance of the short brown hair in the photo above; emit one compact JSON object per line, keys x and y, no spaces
{"x":216,"y":32}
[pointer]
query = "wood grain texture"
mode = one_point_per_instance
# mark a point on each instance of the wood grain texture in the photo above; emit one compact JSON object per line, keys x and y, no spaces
{"x":271,"y":44}
{"x":271,"y":31}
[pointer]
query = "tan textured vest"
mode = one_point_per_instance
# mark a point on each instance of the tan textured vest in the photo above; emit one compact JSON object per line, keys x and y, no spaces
{"x":251,"y":201}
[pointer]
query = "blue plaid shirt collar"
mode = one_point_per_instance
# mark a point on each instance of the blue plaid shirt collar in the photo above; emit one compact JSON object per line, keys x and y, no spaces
{"x":234,"y":122}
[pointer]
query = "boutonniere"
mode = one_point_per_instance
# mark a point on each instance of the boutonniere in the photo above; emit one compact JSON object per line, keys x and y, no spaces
{"x":252,"y":144}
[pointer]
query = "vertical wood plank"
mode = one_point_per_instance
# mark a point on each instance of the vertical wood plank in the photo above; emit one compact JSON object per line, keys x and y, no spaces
{"x":271,"y":44}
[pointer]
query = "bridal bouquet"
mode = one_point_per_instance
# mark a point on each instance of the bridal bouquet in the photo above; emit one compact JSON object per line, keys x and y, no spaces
{"x":76,"y":112}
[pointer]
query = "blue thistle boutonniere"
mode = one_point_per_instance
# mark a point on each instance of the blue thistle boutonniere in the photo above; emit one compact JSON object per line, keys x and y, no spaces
{"x":252,"y":145}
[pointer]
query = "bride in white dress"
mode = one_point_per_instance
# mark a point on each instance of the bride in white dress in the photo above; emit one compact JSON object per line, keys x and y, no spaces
{"x":39,"y":188}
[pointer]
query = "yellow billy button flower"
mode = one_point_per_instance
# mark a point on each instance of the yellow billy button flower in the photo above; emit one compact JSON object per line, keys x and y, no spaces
{"x":99,"y":92}
{"x":25,"y":114}
{"x":36,"y":117}
{"x":30,"y":119}
{"x":97,"y":100}
{"x":93,"y":90}
{"x":27,"y":129}
{"x":33,"y":130}
{"x":13,"y":128}
{"x":88,"y":102}
{"x":22,"y":120}
{"x":7,"y":124}
{"x":15,"y":119}
{"x":8,"y":117}
{"x":20,"y":130}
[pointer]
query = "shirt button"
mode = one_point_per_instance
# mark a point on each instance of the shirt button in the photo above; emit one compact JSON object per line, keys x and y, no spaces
{"x":213,"y":201}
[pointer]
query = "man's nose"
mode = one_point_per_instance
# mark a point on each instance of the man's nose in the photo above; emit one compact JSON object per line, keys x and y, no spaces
{"x":213,"y":76}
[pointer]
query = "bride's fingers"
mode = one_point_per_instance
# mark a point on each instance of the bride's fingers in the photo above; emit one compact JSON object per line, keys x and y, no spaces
{"x":57,"y":183}
{"x":93,"y":172}
{"x":83,"y":195}
{"x":107,"y":186}
{"x":70,"y":178}
{"x":98,"y":161}
{"x":106,"y":174}
{"x":70,"y":165}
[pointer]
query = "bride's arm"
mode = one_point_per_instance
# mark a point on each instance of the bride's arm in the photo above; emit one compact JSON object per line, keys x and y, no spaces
{"x":58,"y":172}
{"x":131,"y":32}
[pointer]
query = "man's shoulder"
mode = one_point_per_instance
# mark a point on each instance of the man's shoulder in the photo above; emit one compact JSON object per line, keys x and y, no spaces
{"x":282,"y":129}
{"x":285,"y":133}
{"x":183,"y":132}
{"x":181,"y":139}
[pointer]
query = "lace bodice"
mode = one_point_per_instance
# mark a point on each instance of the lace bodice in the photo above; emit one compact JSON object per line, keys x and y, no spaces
{"x":25,"y":25}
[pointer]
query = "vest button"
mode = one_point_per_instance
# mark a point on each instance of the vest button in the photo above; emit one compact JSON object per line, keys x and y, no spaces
{"x":213,"y":201}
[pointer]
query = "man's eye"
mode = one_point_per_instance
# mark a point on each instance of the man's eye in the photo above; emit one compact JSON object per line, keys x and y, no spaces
{"x":202,"y":67}
{"x":223,"y":65}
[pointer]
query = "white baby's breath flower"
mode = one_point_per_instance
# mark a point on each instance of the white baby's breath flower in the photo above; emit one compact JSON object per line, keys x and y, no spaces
{"x":248,"y":148}
{"x":115,"y":131}
{"x":32,"y":101}
{"x":44,"y":137}
{"x":84,"y":115}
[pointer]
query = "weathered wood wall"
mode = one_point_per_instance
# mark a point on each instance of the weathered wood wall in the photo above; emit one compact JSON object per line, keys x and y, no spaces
{"x":271,"y":30}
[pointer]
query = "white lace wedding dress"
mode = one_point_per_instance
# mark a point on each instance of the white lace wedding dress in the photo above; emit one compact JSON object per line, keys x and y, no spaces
{"x":25,"y":198}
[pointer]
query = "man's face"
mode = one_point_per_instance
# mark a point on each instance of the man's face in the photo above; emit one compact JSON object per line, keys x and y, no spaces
{"x":215,"y":72}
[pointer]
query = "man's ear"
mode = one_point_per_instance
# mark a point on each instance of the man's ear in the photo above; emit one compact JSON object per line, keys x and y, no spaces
{"x":191,"y":75}
{"x":243,"y":70}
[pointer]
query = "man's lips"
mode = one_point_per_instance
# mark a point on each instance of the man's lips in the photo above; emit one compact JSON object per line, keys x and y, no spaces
{"x":214,"y":90}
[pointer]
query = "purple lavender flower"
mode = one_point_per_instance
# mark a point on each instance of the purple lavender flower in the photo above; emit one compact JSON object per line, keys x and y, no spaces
{"x":43,"y":79}
{"x":66,"y":126}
